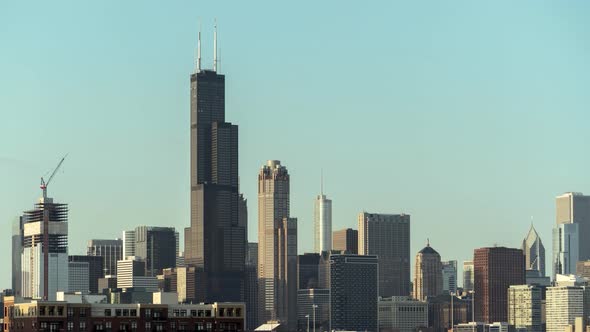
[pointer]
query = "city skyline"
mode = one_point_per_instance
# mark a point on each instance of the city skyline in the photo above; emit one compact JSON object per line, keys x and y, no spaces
{"x":116,"y":172}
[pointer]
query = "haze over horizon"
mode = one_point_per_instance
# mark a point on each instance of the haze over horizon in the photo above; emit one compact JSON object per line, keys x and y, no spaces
{"x":470,"y":118}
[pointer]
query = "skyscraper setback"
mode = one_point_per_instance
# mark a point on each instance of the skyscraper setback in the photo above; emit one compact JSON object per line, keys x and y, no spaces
{"x":215,"y":242}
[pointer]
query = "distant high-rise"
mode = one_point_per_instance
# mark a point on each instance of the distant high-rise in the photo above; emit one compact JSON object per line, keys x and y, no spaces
{"x":308,"y":266}
{"x":403,"y":314}
{"x":354,"y":291}
{"x":17,"y":250}
{"x":128,"y":243}
{"x":78,"y":277}
{"x":449,"y":275}
{"x":346,"y":240}
{"x":525,"y":308}
{"x":566,"y":244}
{"x":387,"y":236}
{"x":157,"y":247}
{"x":277,"y":261}
{"x":322,"y":223}
{"x":215,"y":242}
{"x":564,"y":304}
{"x":428,"y":279}
{"x":534,"y":252}
{"x":95,"y":270}
{"x":468,"y":276}
{"x":111,"y":251}
{"x":131,"y":274}
{"x":574,"y":208}
{"x":495,"y":270}
{"x":251,"y":296}
{"x":44,"y":259}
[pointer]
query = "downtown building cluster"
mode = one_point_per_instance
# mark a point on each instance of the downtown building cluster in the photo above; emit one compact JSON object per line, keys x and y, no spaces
{"x":355,"y":280}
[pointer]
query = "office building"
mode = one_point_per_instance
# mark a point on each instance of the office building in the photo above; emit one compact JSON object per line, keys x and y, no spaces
{"x":111,"y":251}
{"x":449,"y":275}
{"x":428,"y":275}
{"x":107,"y":283}
{"x":525,"y":308}
{"x":354,"y":291}
{"x":128,"y":243}
{"x":495,"y":269}
{"x":564,"y":304}
{"x":277,"y":281}
{"x":17,"y":251}
{"x":69,"y":316}
{"x":534,"y":252}
{"x":215,"y":198}
{"x":387,"y":236}
{"x":45,"y":272}
{"x":308,"y":266}
{"x":583,"y":269}
{"x":574,"y":208}
{"x":346,"y":240}
{"x":78,"y":277}
{"x":403,"y":314}
{"x":439,"y":312}
{"x":322,"y":223}
{"x":251,"y":296}
{"x":156,"y":246}
{"x":566,"y":248}
{"x":132,"y":275}
{"x":95,"y":269}
{"x":468,"y":276}
{"x":313,"y":306}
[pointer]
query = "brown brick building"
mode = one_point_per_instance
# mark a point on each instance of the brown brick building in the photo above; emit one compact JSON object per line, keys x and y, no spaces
{"x":63,"y":316}
{"x":495,"y":270}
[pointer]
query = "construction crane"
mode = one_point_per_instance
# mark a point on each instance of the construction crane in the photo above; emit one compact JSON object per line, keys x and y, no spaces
{"x":45,"y":184}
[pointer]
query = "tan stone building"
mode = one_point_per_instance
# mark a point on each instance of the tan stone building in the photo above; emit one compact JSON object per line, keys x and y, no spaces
{"x":428,"y":279}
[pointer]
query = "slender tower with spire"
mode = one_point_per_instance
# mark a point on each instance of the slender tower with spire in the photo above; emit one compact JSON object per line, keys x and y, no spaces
{"x":215,"y":242}
{"x":534,"y":252}
{"x":322,"y":221}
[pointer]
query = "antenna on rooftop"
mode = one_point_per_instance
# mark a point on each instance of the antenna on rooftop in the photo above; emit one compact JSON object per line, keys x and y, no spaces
{"x":215,"y":47}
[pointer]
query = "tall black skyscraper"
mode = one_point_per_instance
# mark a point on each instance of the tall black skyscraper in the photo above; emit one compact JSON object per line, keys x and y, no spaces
{"x":215,"y":242}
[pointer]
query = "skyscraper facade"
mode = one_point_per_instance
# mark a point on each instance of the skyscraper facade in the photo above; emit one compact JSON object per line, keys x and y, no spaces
{"x":387,"y":236}
{"x":574,"y":208}
{"x":534,"y":252}
{"x":428,"y":279}
{"x":157,"y":247}
{"x":95,"y":270}
{"x":468,"y":276}
{"x":564,"y":304}
{"x":525,"y":308}
{"x":449,"y":275}
{"x":215,"y":242}
{"x":495,"y":269}
{"x":128,"y":243}
{"x":251,"y":296}
{"x":78,"y":277}
{"x":346,"y":240}
{"x":277,"y":277}
{"x":111,"y":251}
{"x":44,"y":259}
{"x":322,"y":221}
{"x":308,"y":270}
{"x":566,"y":245}
{"x":17,"y":250}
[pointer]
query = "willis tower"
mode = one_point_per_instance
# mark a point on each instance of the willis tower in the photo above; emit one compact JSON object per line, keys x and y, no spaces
{"x":215,"y":242}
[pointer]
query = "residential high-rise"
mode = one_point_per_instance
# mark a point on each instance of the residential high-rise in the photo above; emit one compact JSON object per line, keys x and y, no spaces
{"x":251,"y":296}
{"x":95,"y":270}
{"x":525,"y":308}
{"x":215,"y":242}
{"x":495,"y":269}
{"x":308,"y":270}
{"x":563,"y":305}
{"x":574,"y":208}
{"x":322,"y":223}
{"x":346,"y":240}
{"x":44,"y":259}
{"x":534,"y":252}
{"x":128,"y":243}
{"x":449,"y":276}
{"x":566,"y":244}
{"x":17,"y":250}
{"x":354,"y":291}
{"x":111,"y":251}
{"x":277,"y":260}
{"x":403,"y":314}
{"x":156,"y":246}
{"x":387,"y":236}
{"x":428,"y":278}
{"x":468,"y":276}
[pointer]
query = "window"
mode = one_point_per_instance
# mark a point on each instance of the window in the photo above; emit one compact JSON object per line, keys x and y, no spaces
{"x":51,"y":311}
{"x":118,"y":312}
{"x":207,"y":313}
{"x":201,"y":313}
{"x":221,"y":312}
{"x":70,"y":326}
{"x":82,"y":326}
{"x":98,"y":327}
{"x":238,"y":312}
{"x":133,"y":325}
{"x":108,"y":325}
{"x":82,"y":312}
{"x":230,"y":312}
{"x":209,"y":326}
{"x":148,"y":326}
{"x":107,"y":312}
{"x":42,"y":311}
{"x":148,"y":312}
{"x":133,"y":312}
{"x":199,"y":327}
{"x":70,"y":312}
{"x":125,"y":312}
{"x":183,"y":313}
{"x":60,"y":311}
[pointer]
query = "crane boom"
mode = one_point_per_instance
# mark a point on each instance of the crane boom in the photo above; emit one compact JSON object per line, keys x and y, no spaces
{"x":45,"y":184}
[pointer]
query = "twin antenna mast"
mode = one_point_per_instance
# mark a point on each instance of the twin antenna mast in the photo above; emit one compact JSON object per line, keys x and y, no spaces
{"x":215,"y":61}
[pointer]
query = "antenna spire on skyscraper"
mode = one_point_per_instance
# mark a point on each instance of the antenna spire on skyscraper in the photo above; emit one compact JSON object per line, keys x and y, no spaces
{"x":199,"y":49}
{"x":215,"y":47}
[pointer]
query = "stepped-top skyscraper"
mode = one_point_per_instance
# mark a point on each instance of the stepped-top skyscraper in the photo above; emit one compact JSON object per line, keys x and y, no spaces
{"x":322,"y":223}
{"x":215,"y":242}
{"x":572,"y":217}
{"x":534,"y":252}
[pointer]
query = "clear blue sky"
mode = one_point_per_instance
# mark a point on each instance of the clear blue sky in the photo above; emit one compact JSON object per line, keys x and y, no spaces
{"x":469,"y":116}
